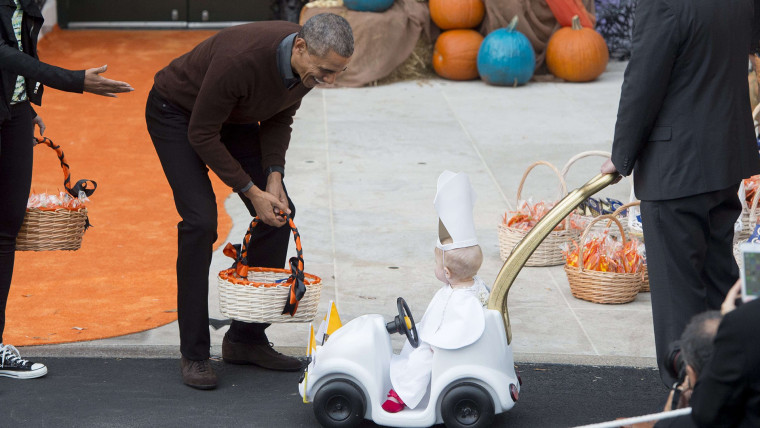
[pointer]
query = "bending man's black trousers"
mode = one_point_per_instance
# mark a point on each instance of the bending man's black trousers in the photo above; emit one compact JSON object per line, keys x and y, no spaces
{"x":196,"y":204}
{"x":689,"y":245}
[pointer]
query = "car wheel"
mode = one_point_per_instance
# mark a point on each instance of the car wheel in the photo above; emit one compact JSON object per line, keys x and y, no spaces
{"x":339,"y":404}
{"x":467,"y":405}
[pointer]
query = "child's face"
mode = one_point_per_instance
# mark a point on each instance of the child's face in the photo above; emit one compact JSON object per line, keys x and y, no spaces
{"x":439,"y":272}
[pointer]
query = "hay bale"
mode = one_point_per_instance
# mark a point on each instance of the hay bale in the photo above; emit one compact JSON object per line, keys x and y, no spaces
{"x":419,"y":65}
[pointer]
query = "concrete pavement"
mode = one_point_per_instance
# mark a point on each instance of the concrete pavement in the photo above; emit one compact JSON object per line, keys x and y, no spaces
{"x":362,"y":169}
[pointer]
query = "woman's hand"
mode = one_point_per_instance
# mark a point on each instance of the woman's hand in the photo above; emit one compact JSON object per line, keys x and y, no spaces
{"x":37,"y":121}
{"x":99,"y":85}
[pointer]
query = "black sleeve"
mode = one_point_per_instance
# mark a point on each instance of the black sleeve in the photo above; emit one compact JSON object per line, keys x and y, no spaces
{"x":655,"y":45}
{"x":14,"y":61}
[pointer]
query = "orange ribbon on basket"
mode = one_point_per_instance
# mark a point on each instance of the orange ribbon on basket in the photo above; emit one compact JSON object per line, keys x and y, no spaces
{"x":81,"y":185}
{"x":296,"y":279}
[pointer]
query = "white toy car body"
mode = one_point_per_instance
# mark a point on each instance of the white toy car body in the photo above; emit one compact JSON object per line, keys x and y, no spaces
{"x":349,"y":377}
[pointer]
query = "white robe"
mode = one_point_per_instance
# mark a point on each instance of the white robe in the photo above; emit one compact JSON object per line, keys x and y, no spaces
{"x":453,"y":319}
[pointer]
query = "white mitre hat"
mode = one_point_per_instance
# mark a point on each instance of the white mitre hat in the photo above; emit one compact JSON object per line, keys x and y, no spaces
{"x":454,"y":203}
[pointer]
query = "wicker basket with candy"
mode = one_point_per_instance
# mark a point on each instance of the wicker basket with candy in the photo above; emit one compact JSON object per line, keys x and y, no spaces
{"x":56,"y":222}
{"x":516,"y":224}
{"x":603,"y":269}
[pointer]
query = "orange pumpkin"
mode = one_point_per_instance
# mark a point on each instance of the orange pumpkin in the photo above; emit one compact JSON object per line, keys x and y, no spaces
{"x":577,"y":54}
{"x":455,"y":55}
{"x":453,"y":14}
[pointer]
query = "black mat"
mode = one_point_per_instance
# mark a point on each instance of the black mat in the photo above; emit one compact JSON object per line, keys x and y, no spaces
{"x":93,"y":392}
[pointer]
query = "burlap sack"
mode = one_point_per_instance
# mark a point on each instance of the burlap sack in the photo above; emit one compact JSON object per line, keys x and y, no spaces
{"x":382,"y":41}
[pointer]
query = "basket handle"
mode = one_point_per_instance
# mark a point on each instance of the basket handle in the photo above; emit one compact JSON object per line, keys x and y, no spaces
{"x":623,"y":208}
{"x":530,"y":168}
{"x":296,"y":279}
{"x":81,"y":185}
{"x":582,"y":155}
{"x":563,"y":186}
{"x":588,"y":229}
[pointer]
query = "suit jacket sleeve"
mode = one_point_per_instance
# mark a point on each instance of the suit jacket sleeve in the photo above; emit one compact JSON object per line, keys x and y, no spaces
{"x":655,"y":46}
{"x":716,"y":400}
{"x":14,"y":61}
{"x":275,"y":137}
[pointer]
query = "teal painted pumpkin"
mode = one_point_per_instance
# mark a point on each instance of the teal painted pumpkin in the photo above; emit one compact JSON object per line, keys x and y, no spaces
{"x":506,"y":57}
{"x":368,"y":5}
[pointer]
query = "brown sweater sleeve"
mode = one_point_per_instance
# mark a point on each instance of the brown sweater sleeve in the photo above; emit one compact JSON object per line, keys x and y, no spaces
{"x":275,"y":136}
{"x":217,"y":97}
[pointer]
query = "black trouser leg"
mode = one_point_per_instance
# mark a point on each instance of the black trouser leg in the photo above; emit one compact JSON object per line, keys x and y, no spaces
{"x":196,"y":205}
{"x":269,"y":245}
{"x":690,"y":261}
{"x":16,"y":159}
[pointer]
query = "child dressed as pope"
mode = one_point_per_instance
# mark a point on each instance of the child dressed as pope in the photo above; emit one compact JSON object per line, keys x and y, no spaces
{"x":454,"y":318}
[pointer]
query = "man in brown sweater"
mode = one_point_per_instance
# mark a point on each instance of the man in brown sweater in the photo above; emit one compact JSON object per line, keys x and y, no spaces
{"x":227,"y":105}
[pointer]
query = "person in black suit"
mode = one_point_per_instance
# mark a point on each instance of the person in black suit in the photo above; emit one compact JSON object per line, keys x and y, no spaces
{"x":22,"y":79}
{"x":684,"y":128}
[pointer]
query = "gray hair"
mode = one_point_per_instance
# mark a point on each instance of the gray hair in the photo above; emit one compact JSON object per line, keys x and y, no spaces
{"x":697,"y":339}
{"x":326,"y":32}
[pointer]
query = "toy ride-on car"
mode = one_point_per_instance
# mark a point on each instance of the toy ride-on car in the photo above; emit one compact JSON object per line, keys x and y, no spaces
{"x":348,"y":377}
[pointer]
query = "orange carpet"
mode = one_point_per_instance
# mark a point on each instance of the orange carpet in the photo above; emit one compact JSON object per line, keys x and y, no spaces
{"x":122,"y":280}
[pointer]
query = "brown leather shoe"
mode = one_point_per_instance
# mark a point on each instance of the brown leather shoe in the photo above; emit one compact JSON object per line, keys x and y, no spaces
{"x":262,"y":355}
{"x":198,"y":374}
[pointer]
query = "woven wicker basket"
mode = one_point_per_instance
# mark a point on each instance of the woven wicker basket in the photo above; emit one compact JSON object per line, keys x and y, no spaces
{"x":645,"y":280}
{"x":61,"y":229}
{"x":263,"y":303}
{"x":602,"y":287}
{"x":548,"y":253}
{"x":256,"y":294}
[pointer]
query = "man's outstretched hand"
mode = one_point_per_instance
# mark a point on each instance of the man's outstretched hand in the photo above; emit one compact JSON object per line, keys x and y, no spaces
{"x":99,"y":85}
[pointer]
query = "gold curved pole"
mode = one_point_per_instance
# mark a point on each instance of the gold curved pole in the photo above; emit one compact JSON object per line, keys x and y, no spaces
{"x":531,"y":241}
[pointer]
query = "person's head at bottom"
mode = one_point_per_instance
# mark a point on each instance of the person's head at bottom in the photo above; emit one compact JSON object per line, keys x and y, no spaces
{"x":696,"y":345}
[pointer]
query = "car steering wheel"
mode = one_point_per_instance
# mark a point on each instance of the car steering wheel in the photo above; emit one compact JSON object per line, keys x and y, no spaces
{"x":404,"y":323}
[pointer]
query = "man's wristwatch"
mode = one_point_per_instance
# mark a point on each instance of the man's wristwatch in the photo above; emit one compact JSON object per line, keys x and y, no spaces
{"x":276,"y":168}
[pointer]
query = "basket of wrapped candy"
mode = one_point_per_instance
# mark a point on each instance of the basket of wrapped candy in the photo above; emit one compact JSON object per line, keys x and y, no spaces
{"x":56,"y":222}
{"x":516,"y":224}
{"x":602,"y":269}
{"x":267,"y":295}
